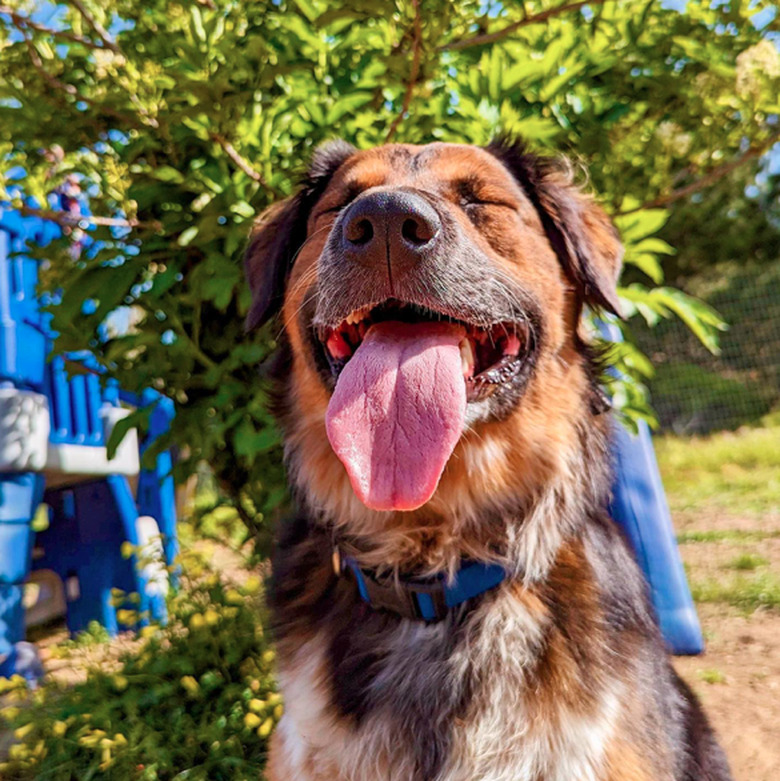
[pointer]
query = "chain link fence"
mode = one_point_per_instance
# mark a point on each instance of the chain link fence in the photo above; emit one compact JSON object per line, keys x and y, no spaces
{"x":695,"y":392}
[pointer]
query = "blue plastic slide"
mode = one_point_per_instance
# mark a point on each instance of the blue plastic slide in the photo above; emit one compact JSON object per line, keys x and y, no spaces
{"x":640,"y":509}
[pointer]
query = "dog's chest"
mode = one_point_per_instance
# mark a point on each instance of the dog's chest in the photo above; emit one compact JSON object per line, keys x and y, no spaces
{"x":475,"y":716}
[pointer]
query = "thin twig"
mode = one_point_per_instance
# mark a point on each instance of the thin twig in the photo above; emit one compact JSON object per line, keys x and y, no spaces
{"x":542,"y":16}
{"x":23,"y":23}
{"x":97,"y":28}
{"x":37,"y":63}
{"x":241,"y":162}
{"x":712,"y":176}
{"x":413,"y":73}
{"x":69,"y":220}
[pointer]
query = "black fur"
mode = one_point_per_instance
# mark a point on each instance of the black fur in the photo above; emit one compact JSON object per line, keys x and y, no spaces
{"x":423,"y":692}
{"x":273,"y":246}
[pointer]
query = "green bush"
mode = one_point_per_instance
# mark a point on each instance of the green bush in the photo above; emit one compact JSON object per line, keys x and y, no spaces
{"x":183,"y":120}
{"x":196,"y":700}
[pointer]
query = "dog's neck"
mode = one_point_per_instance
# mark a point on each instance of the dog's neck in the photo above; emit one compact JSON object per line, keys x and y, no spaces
{"x":521,"y":532}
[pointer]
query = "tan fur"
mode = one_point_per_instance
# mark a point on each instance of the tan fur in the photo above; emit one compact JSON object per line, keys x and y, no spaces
{"x":531,"y":446}
{"x":557,"y":689}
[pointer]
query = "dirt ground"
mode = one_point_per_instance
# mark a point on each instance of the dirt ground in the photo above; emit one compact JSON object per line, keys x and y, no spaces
{"x":738,"y":678}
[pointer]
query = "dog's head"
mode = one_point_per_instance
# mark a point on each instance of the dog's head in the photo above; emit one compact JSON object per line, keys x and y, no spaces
{"x":414,"y":280}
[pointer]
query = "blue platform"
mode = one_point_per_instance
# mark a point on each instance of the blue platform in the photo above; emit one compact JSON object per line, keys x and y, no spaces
{"x":54,"y":426}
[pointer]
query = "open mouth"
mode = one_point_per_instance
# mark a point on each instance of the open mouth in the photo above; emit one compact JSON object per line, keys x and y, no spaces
{"x":491,"y":356}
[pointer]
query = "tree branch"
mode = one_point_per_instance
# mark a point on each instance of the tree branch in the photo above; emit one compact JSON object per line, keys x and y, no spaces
{"x":37,"y":63}
{"x":23,"y":23}
{"x":68,"y":220}
{"x":70,"y":89}
{"x":97,"y":28}
{"x":241,"y":162}
{"x":413,"y":73}
{"x":542,"y":16}
{"x":712,"y":176}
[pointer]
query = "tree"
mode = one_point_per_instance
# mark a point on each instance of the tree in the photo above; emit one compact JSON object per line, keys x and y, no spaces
{"x":182,"y":120}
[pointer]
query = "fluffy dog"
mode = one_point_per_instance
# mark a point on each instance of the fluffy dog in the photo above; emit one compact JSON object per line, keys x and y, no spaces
{"x":452,"y":601}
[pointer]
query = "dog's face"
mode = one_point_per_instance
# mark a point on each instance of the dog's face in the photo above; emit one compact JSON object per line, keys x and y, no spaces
{"x":489,"y":252}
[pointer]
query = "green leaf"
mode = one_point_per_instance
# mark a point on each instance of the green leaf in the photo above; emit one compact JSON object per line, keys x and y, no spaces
{"x":187,"y":235}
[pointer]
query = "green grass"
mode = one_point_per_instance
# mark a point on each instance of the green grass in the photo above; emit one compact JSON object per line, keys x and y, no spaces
{"x":727,"y":535}
{"x":761,"y":590}
{"x":712,"y":676}
{"x":736,"y":473}
{"x":747,"y":562}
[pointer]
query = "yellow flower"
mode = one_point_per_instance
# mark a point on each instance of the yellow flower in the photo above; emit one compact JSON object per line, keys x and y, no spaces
{"x":197,"y":622}
{"x":252,"y":721}
{"x":190,"y":684}
{"x":120,"y":682}
{"x":126,"y":617}
{"x":274,"y":698}
{"x":22,"y":732}
{"x":233,"y":597}
{"x":252,"y":585}
{"x":106,"y":759}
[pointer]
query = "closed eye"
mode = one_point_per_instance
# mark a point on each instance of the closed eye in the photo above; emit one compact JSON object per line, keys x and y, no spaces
{"x":349,"y":196}
{"x":470,"y":195}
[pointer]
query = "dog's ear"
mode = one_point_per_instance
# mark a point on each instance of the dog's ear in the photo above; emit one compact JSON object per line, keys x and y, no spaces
{"x":580,"y":233}
{"x":280,"y":231}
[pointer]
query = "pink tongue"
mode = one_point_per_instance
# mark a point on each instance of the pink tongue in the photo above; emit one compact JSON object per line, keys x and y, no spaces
{"x":398,"y":411}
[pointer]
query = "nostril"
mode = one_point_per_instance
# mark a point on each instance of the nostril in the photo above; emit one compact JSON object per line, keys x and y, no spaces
{"x":359,"y":231}
{"x":418,"y":232}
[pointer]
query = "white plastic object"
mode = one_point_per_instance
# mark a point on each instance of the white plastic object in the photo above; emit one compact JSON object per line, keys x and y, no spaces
{"x":152,"y":556}
{"x":24,"y":430}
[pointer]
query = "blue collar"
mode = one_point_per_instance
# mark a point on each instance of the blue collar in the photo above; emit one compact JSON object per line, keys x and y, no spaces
{"x":423,"y":599}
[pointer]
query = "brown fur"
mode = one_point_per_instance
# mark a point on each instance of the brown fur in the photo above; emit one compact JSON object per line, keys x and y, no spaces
{"x":559,"y":673}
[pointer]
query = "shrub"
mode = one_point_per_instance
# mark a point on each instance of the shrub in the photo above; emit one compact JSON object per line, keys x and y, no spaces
{"x":195,"y":700}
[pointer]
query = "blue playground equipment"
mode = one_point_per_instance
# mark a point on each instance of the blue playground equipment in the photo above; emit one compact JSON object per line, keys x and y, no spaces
{"x":640,"y":508}
{"x":53,"y":434}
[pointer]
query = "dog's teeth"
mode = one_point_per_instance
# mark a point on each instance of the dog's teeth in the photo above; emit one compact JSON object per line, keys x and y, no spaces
{"x":355,"y":317}
{"x":467,"y":358}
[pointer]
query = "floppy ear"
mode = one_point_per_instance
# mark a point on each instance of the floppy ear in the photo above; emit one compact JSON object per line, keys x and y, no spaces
{"x":584,"y":239}
{"x":280,"y":231}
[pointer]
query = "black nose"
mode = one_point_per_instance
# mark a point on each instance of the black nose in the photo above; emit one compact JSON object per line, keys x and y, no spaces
{"x":394,"y":226}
